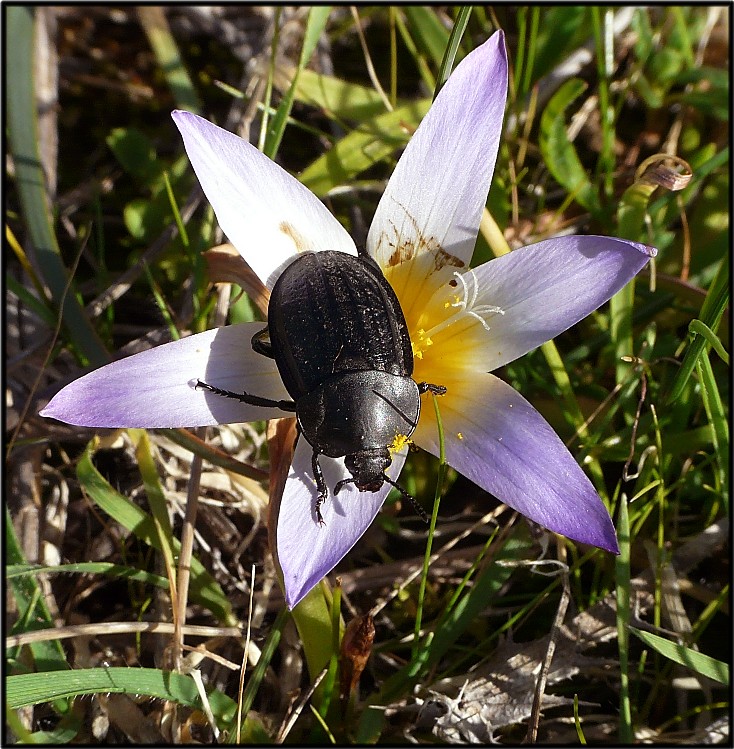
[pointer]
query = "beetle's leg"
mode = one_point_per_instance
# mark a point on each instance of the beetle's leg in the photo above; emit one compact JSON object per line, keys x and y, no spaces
{"x":427,"y":387}
{"x":260,"y":345}
{"x":253,"y":400}
{"x":320,"y":485}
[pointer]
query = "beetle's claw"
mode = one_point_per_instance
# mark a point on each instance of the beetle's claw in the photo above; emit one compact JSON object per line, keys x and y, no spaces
{"x":317,"y":509}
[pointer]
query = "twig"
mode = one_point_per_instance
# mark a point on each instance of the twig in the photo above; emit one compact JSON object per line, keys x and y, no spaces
{"x":532,"y":734}
{"x":116,"y":628}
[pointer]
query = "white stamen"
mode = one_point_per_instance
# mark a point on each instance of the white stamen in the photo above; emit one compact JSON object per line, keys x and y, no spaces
{"x":467,"y":304}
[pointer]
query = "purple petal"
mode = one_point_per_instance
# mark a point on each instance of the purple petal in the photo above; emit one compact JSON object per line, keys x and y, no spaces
{"x":307,"y":551}
{"x":434,"y":199}
{"x":509,"y":449}
{"x":544,"y":289}
{"x":155,"y":388}
{"x":267,"y":215}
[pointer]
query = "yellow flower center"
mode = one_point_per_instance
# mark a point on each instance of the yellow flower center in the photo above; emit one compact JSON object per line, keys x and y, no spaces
{"x":454,"y":310}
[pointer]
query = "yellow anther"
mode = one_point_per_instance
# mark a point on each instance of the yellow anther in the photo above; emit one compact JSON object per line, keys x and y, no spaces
{"x":398,"y":443}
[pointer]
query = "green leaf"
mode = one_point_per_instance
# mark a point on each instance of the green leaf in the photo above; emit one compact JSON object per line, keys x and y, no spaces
{"x":559,"y":153}
{"x":431,"y":34}
{"x":362,"y":148}
{"x":340,"y":99}
{"x":698,"y":662}
{"x":135,"y":152}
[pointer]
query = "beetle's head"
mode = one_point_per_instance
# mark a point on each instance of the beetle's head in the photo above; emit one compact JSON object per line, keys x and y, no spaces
{"x":368,"y":471}
{"x":368,"y":468}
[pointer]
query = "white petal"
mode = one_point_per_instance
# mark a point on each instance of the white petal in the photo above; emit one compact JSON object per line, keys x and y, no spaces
{"x":266,"y":214}
{"x":434,"y":200}
{"x":306,"y":550}
{"x":542,"y":289}
{"x":155,"y":388}
{"x":494,"y":437}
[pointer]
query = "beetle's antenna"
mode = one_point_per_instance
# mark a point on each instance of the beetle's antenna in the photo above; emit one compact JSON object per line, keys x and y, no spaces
{"x":413,"y":501}
{"x":252,"y":400}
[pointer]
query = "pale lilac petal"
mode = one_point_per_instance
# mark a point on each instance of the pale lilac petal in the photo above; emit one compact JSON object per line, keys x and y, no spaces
{"x":155,"y":388}
{"x":434,"y":199}
{"x":307,"y":551}
{"x":509,"y":449}
{"x":543,"y":289}
{"x":266,"y":214}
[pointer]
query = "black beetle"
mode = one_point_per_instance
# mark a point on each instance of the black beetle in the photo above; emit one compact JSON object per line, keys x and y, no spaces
{"x":339,"y":339}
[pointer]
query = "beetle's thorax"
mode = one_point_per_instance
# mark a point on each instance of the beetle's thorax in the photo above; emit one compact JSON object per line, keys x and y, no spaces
{"x":353,"y":412}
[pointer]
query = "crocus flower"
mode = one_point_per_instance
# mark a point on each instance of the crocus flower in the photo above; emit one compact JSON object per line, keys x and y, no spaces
{"x":463,"y":323}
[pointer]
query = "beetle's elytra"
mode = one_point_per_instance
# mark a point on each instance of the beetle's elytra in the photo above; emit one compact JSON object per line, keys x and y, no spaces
{"x":339,"y":339}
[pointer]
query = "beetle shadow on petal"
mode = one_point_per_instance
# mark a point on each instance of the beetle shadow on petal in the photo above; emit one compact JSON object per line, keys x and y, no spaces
{"x":233,"y":365}
{"x":334,"y":471}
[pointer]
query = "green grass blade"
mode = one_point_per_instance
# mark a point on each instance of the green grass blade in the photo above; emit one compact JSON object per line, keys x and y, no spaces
{"x":157,"y":502}
{"x":700,"y":328}
{"x":633,"y":207}
{"x":32,"y":689}
{"x":563,"y":383}
{"x":712,"y":310}
{"x":622,"y":565}
{"x":317,"y":17}
{"x":417,"y":645}
{"x":258,"y":673}
{"x":86,"y":568}
{"x":33,"y":614}
{"x":698,"y":662}
{"x":452,"y":47}
{"x":484,"y":590}
{"x":717,"y":418}
{"x":31,"y":301}
{"x":22,"y":129}
{"x":156,"y":28}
